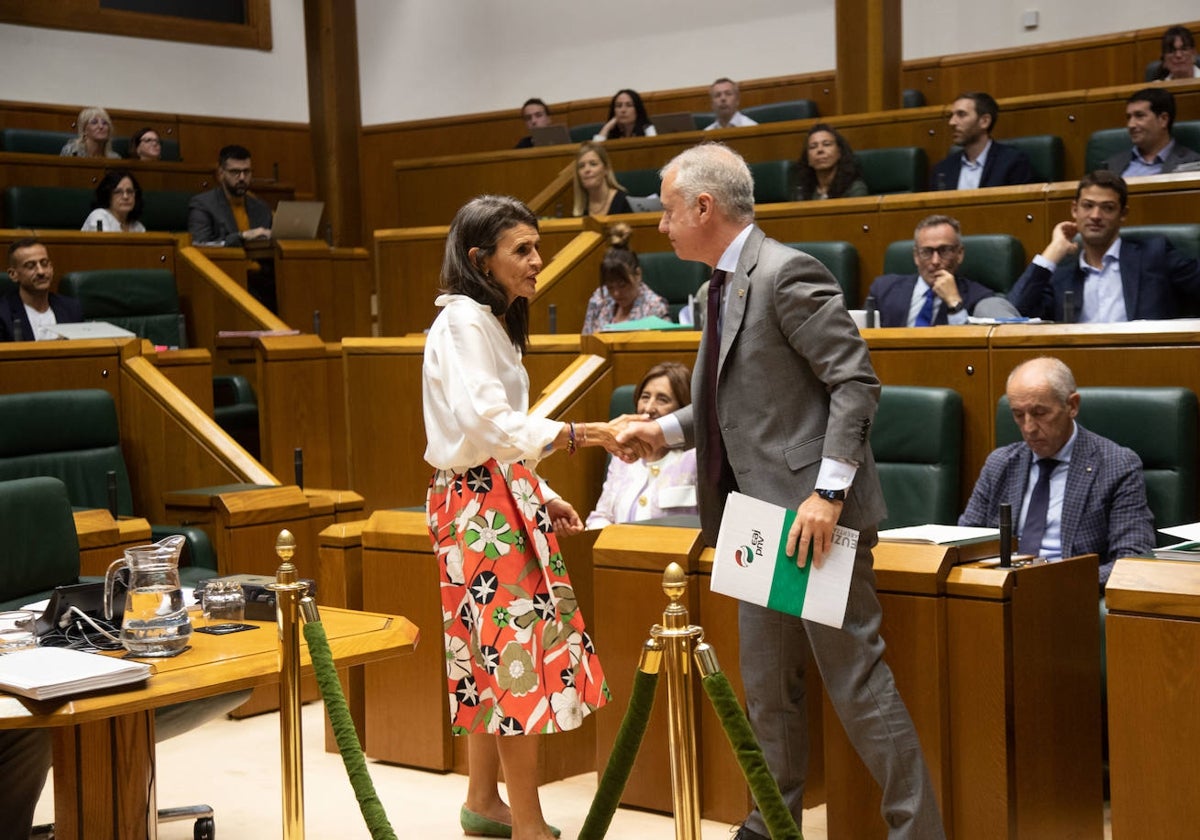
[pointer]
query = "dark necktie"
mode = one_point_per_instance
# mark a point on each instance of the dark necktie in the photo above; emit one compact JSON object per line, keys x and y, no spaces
{"x":717,"y":472}
{"x":925,"y":316}
{"x":1034,"y":528}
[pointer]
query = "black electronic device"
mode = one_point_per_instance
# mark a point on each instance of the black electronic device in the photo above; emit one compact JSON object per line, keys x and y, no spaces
{"x":86,"y":597}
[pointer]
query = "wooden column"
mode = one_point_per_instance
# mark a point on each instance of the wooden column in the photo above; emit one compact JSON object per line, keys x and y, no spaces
{"x":331,"y":38}
{"x":868,"y":55}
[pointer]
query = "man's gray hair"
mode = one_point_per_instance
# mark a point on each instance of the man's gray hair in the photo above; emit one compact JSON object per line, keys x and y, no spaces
{"x":936,"y":220}
{"x":1058,"y":376}
{"x":718,"y":170}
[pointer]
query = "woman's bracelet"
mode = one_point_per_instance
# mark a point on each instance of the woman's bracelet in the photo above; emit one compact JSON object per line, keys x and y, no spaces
{"x":583,"y":426}
{"x":570,"y":438}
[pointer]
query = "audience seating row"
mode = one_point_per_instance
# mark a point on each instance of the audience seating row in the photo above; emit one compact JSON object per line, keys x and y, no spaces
{"x":67,"y":207}
{"x":795,"y":109}
{"x":39,"y":142}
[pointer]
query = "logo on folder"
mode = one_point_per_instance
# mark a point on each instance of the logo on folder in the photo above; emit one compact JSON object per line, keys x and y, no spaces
{"x":743,"y":555}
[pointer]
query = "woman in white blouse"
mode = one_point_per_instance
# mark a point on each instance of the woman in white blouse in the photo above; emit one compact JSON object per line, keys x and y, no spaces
{"x":118,"y":204}
{"x":519,"y":660}
{"x":664,"y":483}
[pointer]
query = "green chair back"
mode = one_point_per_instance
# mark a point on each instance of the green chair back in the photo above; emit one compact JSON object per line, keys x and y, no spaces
{"x":47,"y":207}
{"x":166,"y":210}
{"x":170,"y":148}
{"x":895,"y":170}
{"x":1045,"y":153}
{"x":42,"y":548}
{"x":584,"y":131}
{"x":772,"y":181}
{"x":794,"y":109}
{"x":143,"y":301}
{"x":841,"y":258}
{"x":1103,"y":144}
{"x":639,"y":181}
{"x":993,"y":259}
{"x":912,"y":98}
{"x":672,"y":277}
{"x":1184,"y":237}
{"x":917,"y":443}
{"x":1188,"y":134}
{"x":622,"y":401}
{"x":35,"y":141}
{"x":703,"y":121}
{"x":1159,"y":424}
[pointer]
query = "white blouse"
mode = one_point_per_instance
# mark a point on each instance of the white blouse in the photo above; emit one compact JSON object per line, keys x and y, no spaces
{"x":476,"y":392}
{"x":108,"y":223}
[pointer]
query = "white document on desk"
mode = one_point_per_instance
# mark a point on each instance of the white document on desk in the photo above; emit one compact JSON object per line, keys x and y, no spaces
{"x":750,"y":563}
{"x":43,"y":673}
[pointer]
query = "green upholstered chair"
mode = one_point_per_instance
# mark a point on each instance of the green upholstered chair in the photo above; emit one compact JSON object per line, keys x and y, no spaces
{"x":895,"y":170}
{"x":1045,"y":153}
{"x":1159,"y":424}
{"x":622,"y":401}
{"x":993,"y":259}
{"x":703,"y":121}
{"x":143,"y":301}
{"x":34,"y":141}
{"x":672,"y":277}
{"x":584,"y":131}
{"x":74,"y":436}
{"x":772,"y":181}
{"x":841,"y":258}
{"x":1188,"y":134}
{"x":912,"y":98}
{"x":1185,"y":238}
{"x":38,"y":524}
{"x":170,"y":148}
{"x":47,"y":207}
{"x":1155,"y":67}
{"x":917,"y":442}
{"x":166,"y":210}
{"x":793,"y":109}
{"x":235,"y":409}
{"x":639,"y":181}
{"x":1103,"y":144}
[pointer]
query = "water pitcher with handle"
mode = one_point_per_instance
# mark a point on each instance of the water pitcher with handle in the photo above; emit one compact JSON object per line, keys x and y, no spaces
{"x":156,"y":621}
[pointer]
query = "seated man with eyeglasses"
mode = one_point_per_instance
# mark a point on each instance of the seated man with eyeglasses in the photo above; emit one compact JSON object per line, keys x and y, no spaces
{"x":1102,"y":278}
{"x":936,"y":294}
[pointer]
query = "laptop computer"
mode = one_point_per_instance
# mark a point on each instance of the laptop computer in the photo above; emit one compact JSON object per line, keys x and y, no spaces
{"x":91,"y":329}
{"x":673,"y":122}
{"x":644,"y":203}
{"x":555,"y":134}
{"x":297,"y":219}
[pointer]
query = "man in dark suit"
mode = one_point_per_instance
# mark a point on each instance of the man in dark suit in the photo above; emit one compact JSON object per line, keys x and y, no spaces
{"x":1150,"y":118}
{"x":941,"y":296}
{"x":787,"y":382}
{"x":1096,"y":500}
{"x":29,"y":310}
{"x":228,"y":214}
{"x":981,"y":162}
{"x":536,"y":114}
{"x":1113,"y":279}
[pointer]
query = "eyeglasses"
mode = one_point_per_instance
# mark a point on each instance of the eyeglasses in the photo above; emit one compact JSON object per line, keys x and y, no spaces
{"x":153,"y":140}
{"x":238,"y":173}
{"x":943,"y":251}
{"x":127,"y":191}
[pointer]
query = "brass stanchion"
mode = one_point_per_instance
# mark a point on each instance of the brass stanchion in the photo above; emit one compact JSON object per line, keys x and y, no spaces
{"x":676,"y":636}
{"x":288,"y":592}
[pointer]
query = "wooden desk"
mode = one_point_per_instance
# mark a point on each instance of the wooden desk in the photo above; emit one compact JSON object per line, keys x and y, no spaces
{"x":103,"y":539}
{"x":1153,"y":644}
{"x":104,"y":743}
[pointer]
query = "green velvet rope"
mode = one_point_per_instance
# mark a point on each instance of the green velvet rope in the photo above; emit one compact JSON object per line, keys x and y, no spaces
{"x":620,"y":760}
{"x":780,"y":823}
{"x":343,"y":729}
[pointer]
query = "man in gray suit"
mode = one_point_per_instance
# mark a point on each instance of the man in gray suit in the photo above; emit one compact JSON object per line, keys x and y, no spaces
{"x":1096,"y":501}
{"x":228,"y":214}
{"x":1150,"y":117}
{"x":782,"y":365}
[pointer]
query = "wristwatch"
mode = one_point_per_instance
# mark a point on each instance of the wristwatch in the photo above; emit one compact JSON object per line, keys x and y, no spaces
{"x":831,"y":495}
{"x":956,"y":308}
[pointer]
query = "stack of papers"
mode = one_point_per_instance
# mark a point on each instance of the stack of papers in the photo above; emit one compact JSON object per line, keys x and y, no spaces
{"x":47,"y":672}
{"x":940,"y":534}
{"x":1189,"y":549}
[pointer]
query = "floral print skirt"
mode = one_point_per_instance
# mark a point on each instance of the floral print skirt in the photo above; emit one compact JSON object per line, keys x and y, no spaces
{"x":518,"y":658}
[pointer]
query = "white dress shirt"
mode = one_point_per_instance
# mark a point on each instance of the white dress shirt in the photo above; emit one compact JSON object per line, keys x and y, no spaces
{"x":970,"y":172}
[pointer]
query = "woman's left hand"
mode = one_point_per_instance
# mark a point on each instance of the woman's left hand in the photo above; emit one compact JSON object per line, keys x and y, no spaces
{"x":563,"y":517}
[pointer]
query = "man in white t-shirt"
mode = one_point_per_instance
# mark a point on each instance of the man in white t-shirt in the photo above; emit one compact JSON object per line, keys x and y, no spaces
{"x":726,"y":99}
{"x":29,"y":310}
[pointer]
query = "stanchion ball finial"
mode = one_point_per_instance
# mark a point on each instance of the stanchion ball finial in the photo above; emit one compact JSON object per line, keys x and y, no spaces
{"x":674,"y":581}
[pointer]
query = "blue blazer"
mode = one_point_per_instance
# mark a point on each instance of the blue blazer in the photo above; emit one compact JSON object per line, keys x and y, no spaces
{"x":1104,"y":508}
{"x":67,"y":310}
{"x":1005,"y":165}
{"x":893,"y":293}
{"x":1159,"y":282}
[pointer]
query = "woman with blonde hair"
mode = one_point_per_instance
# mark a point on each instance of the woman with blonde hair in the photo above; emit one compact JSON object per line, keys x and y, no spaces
{"x":597,"y":192}
{"x":95,"y":135}
{"x":621,"y":295}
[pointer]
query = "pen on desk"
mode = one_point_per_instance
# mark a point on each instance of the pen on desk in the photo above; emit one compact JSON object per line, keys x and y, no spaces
{"x":1005,"y":535}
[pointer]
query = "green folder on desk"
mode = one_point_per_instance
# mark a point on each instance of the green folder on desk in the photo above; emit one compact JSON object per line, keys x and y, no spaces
{"x":651,"y":323}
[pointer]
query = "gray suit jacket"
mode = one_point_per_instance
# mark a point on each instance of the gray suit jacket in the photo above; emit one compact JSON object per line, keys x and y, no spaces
{"x":795,"y":383}
{"x":1104,"y":508}
{"x":1180,"y":154}
{"x":210,"y":218}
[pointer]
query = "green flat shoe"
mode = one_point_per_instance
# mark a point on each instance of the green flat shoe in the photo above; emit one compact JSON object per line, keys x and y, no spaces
{"x":477,"y":825}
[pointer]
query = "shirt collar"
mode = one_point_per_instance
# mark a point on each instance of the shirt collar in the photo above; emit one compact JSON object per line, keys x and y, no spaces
{"x":979,"y":161}
{"x":733,"y":254}
{"x":1161,"y":157}
{"x":1063,"y":456}
{"x":1112,"y":255}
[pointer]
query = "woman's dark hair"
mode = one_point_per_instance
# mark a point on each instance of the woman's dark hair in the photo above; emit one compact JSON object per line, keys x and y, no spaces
{"x":848,"y":171}
{"x":678,"y":377}
{"x":620,"y":262}
{"x":479,"y":224}
{"x":104,"y":192}
{"x":643,"y":119}
{"x":135,"y":140}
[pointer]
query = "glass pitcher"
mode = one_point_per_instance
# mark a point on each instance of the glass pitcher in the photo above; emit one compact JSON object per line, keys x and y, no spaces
{"x":156,"y":620}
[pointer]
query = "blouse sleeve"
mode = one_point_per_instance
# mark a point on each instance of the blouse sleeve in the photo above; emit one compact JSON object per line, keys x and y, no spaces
{"x":467,"y":376}
{"x":605,"y":513}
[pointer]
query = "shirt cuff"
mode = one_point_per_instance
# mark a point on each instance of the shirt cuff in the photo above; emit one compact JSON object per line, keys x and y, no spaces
{"x":836,"y":474}
{"x":1042,"y":262}
{"x":672,"y":431}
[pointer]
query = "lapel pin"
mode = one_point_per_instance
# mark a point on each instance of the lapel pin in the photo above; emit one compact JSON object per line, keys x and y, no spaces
{"x":741,"y":292}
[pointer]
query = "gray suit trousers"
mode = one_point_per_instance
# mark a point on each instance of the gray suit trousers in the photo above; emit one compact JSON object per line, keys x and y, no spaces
{"x":860,"y":685}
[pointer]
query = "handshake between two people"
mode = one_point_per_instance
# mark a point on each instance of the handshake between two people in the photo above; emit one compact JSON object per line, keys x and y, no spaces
{"x":630,"y":437}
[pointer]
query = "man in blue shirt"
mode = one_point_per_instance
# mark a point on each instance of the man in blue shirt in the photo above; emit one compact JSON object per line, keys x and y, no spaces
{"x":979,"y":161}
{"x":1150,"y":116}
{"x":1112,"y":279}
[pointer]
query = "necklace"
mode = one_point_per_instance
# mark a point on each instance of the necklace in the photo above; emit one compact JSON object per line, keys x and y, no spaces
{"x":602,"y":205}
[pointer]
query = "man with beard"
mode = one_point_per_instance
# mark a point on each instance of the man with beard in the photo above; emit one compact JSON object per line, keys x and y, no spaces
{"x":981,"y":162}
{"x":1113,"y":279}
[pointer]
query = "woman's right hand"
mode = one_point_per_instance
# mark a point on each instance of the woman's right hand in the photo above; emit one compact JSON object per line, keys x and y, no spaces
{"x":608,"y":127}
